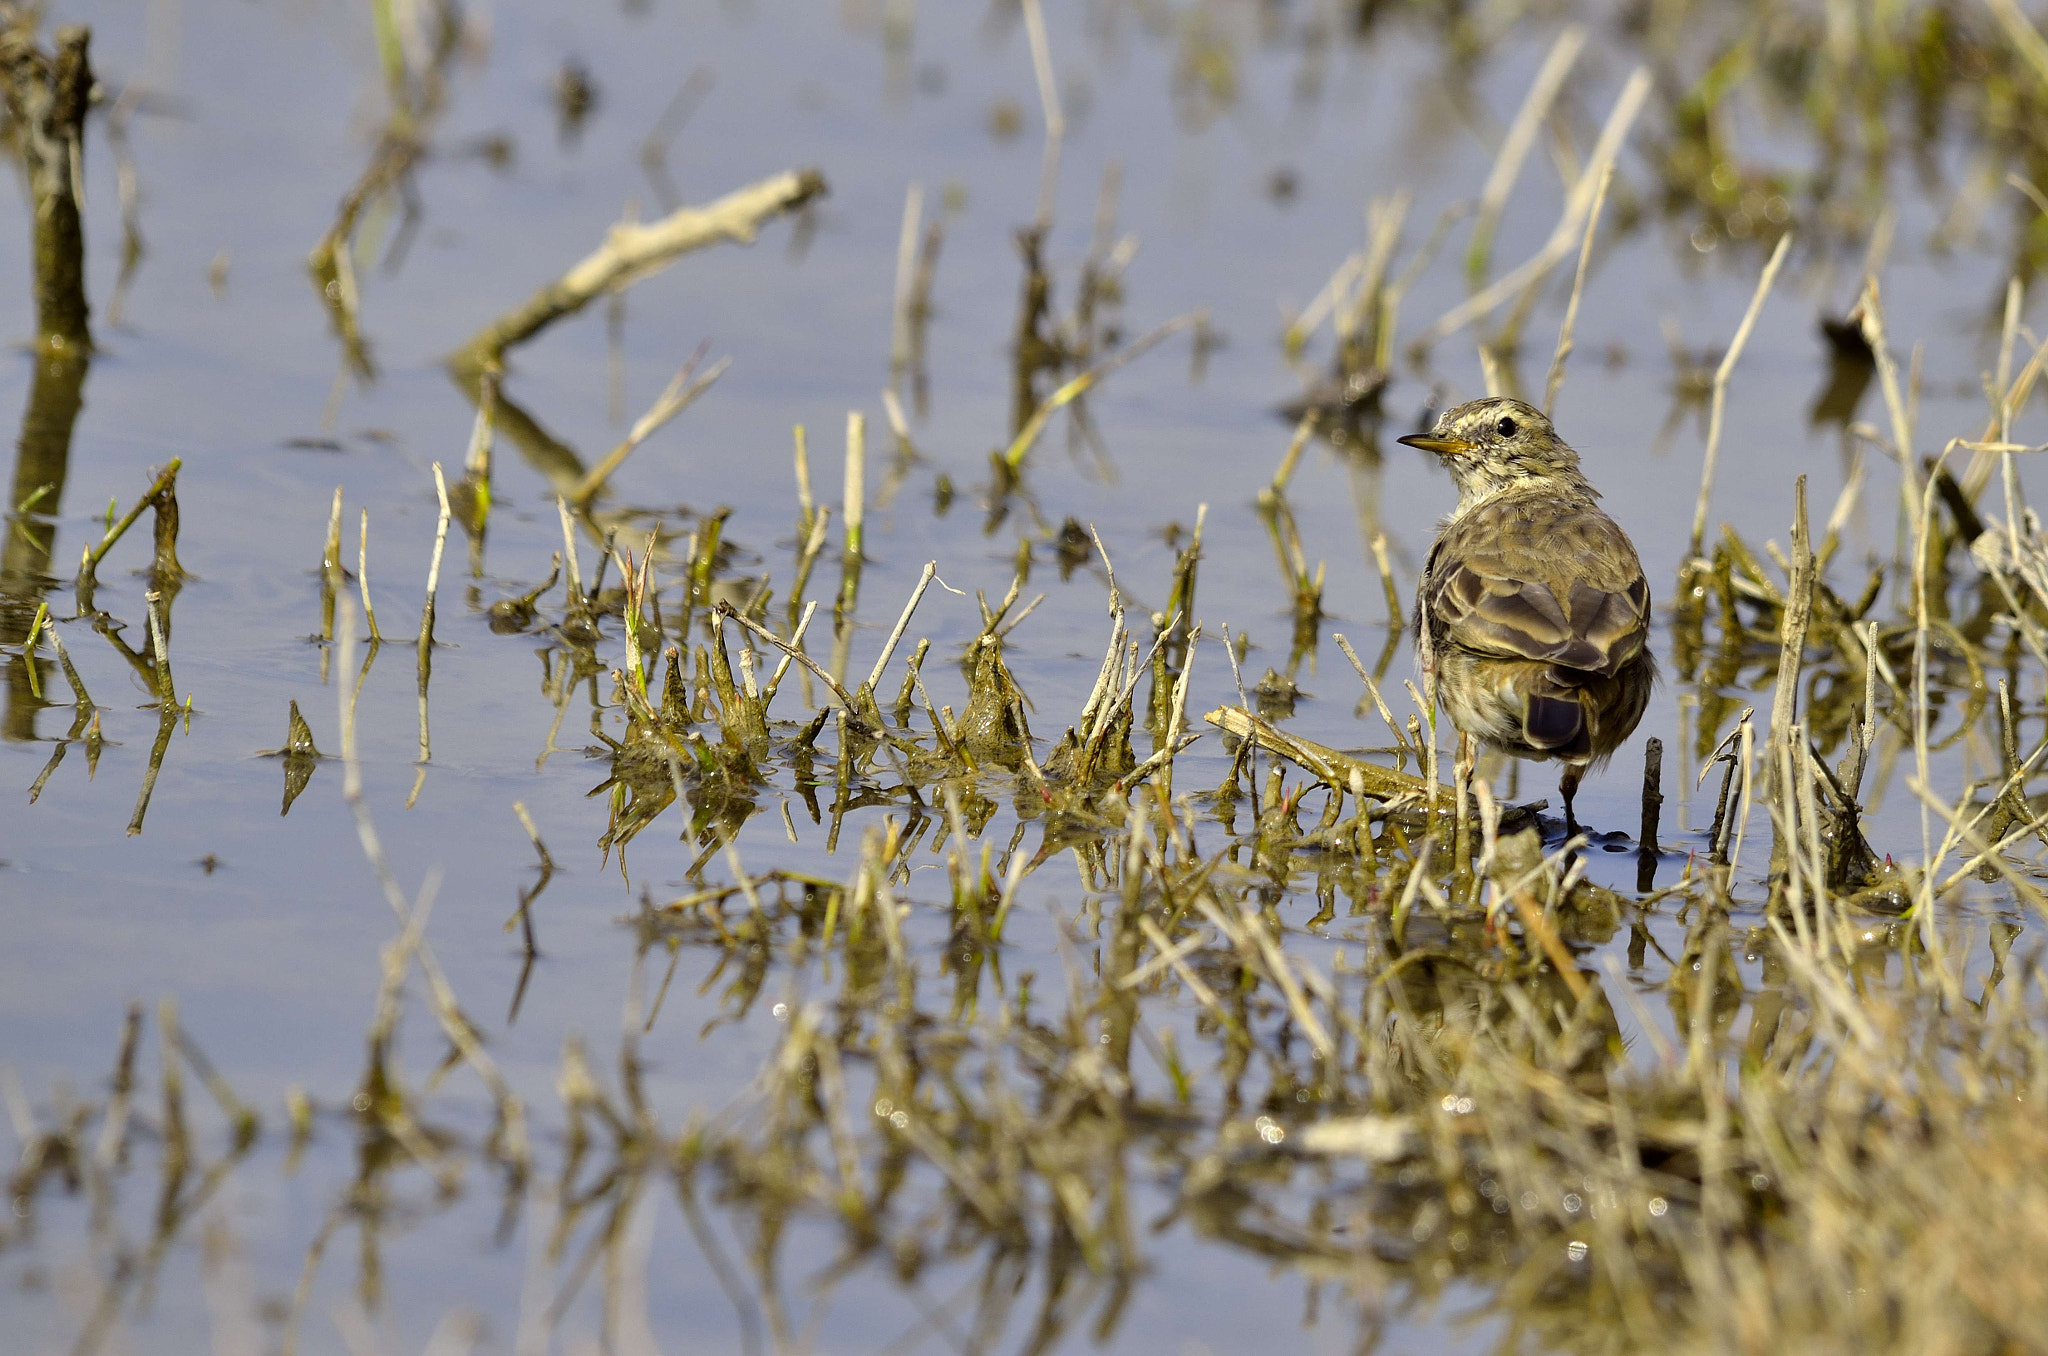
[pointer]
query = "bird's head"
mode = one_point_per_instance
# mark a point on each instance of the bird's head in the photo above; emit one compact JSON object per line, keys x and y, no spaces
{"x":1496,"y":444}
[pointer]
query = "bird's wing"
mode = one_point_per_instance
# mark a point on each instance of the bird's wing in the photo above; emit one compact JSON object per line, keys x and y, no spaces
{"x":1536,"y":578}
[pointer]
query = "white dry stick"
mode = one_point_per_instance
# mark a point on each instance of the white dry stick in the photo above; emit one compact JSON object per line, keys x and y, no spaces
{"x":856,"y":480}
{"x":1720,"y":398}
{"x":1577,"y":203}
{"x":363,"y":577}
{"x":1049,"y":104}
{"x":434,"y":561}
{"x":796,"y":640}
{"x":425,"y":661}
{"x":924,"y":581}
{"x":632,"y":252}
{"x":1514,"y":148}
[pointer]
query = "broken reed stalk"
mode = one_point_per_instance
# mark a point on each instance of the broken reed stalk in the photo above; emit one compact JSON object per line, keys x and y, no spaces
{"x":425,"y":662}
{"x":1515,"y":146}
{"x":1571,"y":308}
{"x":1653,"y":794}
{"x":632,"y":252}
{"x":1373,"y":690}
{"x":679,"y":395}
{"x":363,"y":578}
{"x":160,"y":650}
{"x":1577,"y":203}
{"x":924,"y":581}
{"x":1333,"y":768}
{"x":1720,"y":396}
{"x":165,"y":480}
{"x":855,"y":502}
{"x":47,"y":99}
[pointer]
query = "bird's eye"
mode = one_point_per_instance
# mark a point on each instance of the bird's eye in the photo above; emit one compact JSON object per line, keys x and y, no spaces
{"x":1506,"y":428}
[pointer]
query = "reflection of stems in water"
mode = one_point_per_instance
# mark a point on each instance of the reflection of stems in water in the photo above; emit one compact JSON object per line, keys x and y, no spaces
{"x":524,"y":916}
{"x":84,"y":723}
{"x":654,"y":149}
{"x":47,"y":97}
{"x":167,"y":703}
{"x":167,"y":720}
{"x":126,"y":186}
{"x":416,"y":103}
{"x":42,"y":459}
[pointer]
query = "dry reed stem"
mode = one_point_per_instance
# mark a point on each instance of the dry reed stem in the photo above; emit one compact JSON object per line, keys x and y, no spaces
{"x":854,"y":503}
{"x":1373,"y":690}
{"x":363,"y":577}
{"x":1515,"y":146}
{"x":1555,"y":383}
{"x":924,"y":581}
{"x":1577,"y":203}
{"x":165,"y":479}
{"x":1720,"y":393}
{"x":1795,"y":619}
{"x":679,"y":395}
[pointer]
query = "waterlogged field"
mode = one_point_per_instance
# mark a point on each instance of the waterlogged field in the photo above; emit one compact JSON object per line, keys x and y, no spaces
{"x":823,"y":593}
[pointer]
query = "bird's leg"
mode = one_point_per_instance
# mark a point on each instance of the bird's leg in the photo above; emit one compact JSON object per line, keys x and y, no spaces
{"x":1568,"y":786}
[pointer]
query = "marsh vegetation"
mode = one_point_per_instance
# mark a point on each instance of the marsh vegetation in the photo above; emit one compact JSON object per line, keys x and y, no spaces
{"x":856,"y":848}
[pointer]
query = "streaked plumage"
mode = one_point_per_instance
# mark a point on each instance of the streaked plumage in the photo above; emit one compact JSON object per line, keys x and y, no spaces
{"x":1533,"y":615}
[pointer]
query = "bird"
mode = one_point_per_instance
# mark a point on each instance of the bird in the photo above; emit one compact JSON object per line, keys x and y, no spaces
{"x":1533,"y":616}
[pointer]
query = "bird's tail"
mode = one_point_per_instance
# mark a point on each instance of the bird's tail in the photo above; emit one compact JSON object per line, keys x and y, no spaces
{"x":1557,"y":724}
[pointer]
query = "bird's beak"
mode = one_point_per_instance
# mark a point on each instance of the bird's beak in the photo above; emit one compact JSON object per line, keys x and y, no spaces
{"x":1443,"y":447}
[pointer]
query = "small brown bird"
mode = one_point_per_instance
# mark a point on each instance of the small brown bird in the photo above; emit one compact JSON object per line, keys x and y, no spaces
{"x":1533,"y":616}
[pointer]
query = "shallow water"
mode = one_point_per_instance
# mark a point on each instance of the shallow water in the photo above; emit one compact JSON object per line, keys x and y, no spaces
{"x":266,"y":930}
